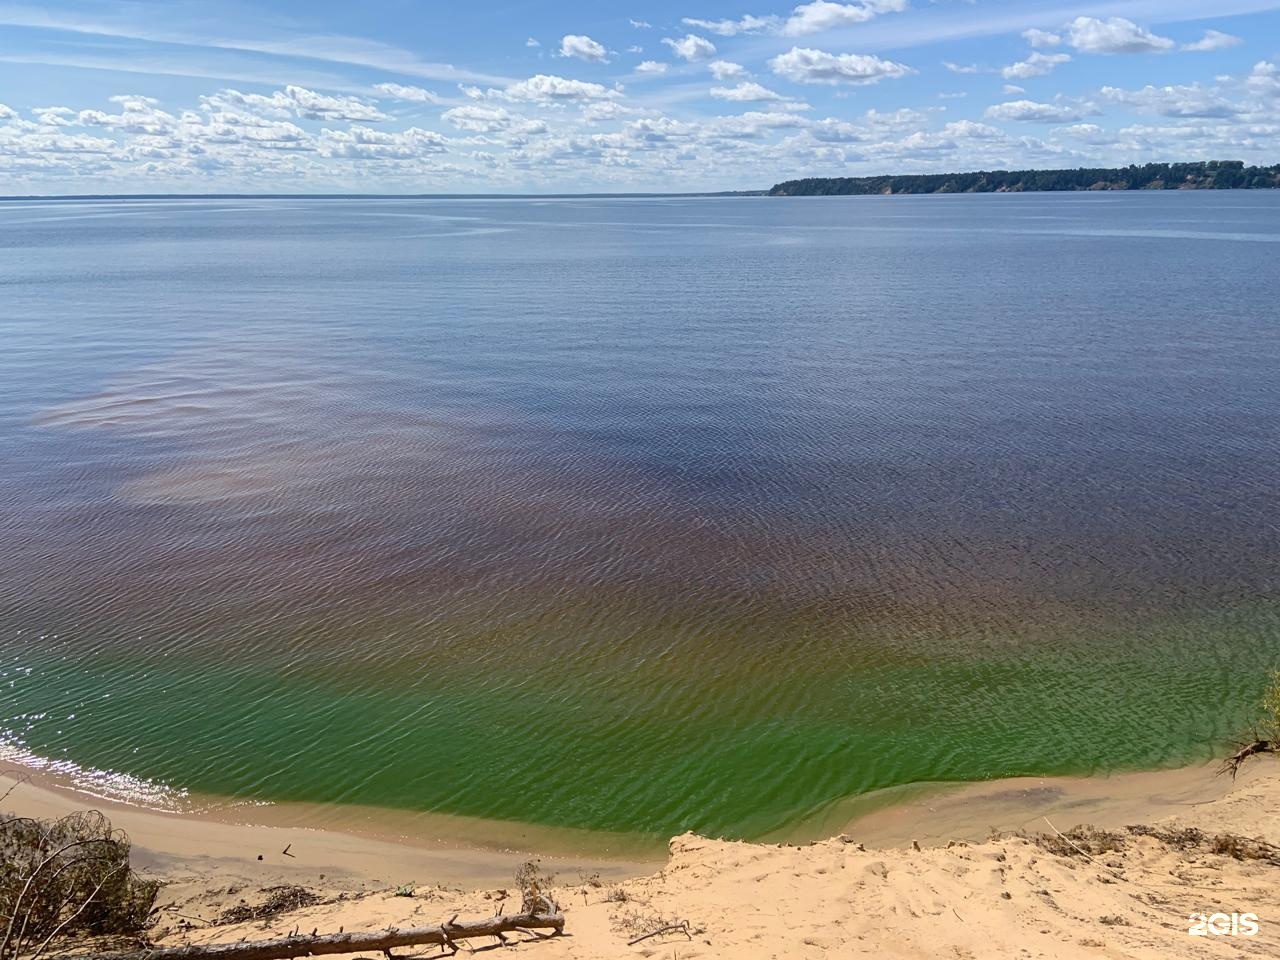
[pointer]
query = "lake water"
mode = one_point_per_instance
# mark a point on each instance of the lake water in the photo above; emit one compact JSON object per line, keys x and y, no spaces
{"x":635,"y":514}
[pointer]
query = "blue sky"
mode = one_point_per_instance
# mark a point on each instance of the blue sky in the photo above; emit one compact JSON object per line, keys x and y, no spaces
{"x":426,"y":96}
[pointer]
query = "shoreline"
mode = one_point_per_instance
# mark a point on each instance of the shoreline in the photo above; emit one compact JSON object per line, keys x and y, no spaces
{"x":362,"y":847}
{"x":1135,"y":895}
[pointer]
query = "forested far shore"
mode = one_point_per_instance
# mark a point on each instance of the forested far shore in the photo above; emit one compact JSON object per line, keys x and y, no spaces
{"x":1209,"y":175}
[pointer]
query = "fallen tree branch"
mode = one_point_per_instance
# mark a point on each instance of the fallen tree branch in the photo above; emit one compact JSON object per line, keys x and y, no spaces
{"x":681,"y":927}
{"x":285,"y":948}
{"x":1232,"y":764}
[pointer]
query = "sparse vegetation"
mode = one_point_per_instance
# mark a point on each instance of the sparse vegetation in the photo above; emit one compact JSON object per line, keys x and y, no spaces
{"x":535,"y":888}
{"x":1223,"y":844}
{"x":67,"y":877}
{"x":1264,"y":737}
{"x":279,"y":900}
{"x":1081,"y":840}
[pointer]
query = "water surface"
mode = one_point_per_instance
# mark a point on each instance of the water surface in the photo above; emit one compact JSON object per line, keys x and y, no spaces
{"x":635,"y":515}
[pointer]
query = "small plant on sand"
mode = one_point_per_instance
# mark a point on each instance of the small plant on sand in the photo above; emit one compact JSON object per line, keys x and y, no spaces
{"x":405,"y":890}
{"x":535,"y":888}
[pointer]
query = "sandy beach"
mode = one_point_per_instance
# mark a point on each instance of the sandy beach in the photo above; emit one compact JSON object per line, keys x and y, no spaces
{"x":865,"y":892}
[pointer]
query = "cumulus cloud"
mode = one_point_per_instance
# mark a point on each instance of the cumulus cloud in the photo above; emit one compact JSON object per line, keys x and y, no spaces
{"x":545,"y":88}
{"x":300,"y":102}
{"x":1041,"y":38}
{"x":1036,"y":65}
{"x":825,"y":15}
{"x":1028,"y":111}
{"x":533,"y":42}
{"x":691,"y":47}
{"x":364,"y":143}
{"x":584,"y":48}
{"x":138,"y":115}
{"x":1190,"y":101}
{"x":7,"y":113}
{"x":747,"y":93}
{"x":804,"y":65}
{"x":51,"y":116}
{"x":401,"y":92}
{"x":596,"y":111}
{"x":731,"y":28}
{"x":1114,"y":35}
{"x":651,"y":68}
{"x":1213,"y":40}
{"x":481,"y":118}
{"x":725,"y":70}
{"x":1264,"y":78}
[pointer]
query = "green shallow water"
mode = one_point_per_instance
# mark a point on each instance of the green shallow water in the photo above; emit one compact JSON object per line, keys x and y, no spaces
{"x":756,"y":749}
{"x":636,"y":516}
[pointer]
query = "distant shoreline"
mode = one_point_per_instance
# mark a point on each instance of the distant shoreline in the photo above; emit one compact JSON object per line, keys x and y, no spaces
{"x":1203,"y":175}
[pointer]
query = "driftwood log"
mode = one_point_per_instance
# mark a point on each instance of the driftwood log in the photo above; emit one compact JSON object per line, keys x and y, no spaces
{"x":310,"y":945}
{"x":1233,"y":763}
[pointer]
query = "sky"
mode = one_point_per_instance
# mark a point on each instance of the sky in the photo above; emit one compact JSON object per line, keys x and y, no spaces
{"x":427,"y":96}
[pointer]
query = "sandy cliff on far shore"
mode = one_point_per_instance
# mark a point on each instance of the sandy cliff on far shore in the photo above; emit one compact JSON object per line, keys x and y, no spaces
{"x":1134,"y":896}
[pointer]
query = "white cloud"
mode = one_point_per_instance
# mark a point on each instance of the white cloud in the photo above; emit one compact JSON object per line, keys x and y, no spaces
{"x":1036,"y":65}
{"x":1028,"y":111}
{"x":548,"y":89}
{"x":731,"y":28}
{"x":1114,"y":35}
{"x":1012,"y":88}
{"x":138,"y":115}
{"x":1213,"y":40}
{"x":402,"y":92}
{"x":642,"y":24}
{"x":584,"y":48}
{"x":363,"y":143}
{"x":651,"y":68}
{"x":491,"y":119}
{"x":1190,"y":101}
{"x":804,"y":65}
{"x":594,"y":111}
{"x":747,"y":93}
{"x":50,"y":116}
{"x":1264,"y":78}
{"x":691,"y":47}
{"x":725,"y":70}
{"x":533,"y":42}
{"x":963,"y":68}
{"x":971,"y":130}
{"x":300,"y":102}
{"x":824,"y":15}
{"x":1041,"y":38}
{"x":7,"y":113}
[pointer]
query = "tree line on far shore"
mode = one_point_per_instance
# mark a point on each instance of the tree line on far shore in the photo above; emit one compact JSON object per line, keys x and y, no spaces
{"x":1207,"y":175}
